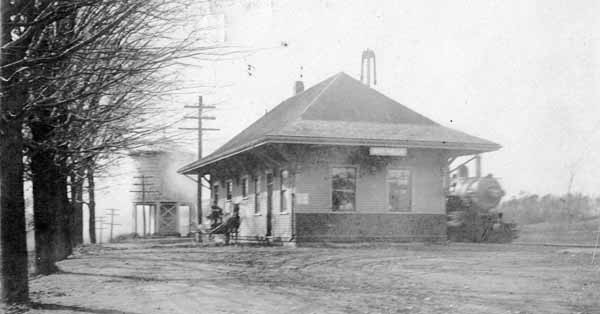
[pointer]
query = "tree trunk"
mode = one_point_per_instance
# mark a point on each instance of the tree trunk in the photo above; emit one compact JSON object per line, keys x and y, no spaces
{"x":91,"y":204}
{"x":46,"y":202}
{"x":65,"y":212}
{"x":51,"y":208}
{"x":77,"y":208}
{"x":14,"y":285}
{"x":13,"y":234}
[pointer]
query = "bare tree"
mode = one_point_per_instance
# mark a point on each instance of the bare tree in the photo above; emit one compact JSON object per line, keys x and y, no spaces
{"x":13,"y":254}
{"x":95,"y":74}
{"x":83,"y":67}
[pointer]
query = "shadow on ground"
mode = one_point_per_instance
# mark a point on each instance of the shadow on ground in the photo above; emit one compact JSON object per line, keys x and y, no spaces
{"x":126,"y":277}
{"x":73,"y":308}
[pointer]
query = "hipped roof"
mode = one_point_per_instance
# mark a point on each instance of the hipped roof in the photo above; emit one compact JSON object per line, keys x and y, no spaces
{"x":343,"y":111}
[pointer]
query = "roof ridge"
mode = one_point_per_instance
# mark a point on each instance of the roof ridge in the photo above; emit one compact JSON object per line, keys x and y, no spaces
{"x":277,"y":108}
{"x":319,"y":95}
{"x":297,"y":116}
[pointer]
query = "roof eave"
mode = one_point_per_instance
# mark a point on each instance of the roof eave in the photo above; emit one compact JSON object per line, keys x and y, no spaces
{"x":482,"y":147}
{"x":193,"y":168}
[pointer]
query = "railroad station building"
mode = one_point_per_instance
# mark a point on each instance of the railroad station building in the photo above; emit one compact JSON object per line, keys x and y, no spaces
{"x":338,"y":162}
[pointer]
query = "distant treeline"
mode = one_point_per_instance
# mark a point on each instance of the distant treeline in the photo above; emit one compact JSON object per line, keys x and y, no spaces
{"x":532,"y":209}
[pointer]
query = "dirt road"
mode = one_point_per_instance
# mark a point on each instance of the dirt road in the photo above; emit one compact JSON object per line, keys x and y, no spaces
{"x":181,"y":278}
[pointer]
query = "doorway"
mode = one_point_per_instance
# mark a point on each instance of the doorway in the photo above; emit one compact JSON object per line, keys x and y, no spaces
{"x":167,"y":220}
{"x":144,"y":219}
{"x":399,"y":189}
{"x":269,"y":203}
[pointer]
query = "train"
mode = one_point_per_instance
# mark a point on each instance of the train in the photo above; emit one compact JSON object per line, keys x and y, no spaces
{"x":470,"y":204}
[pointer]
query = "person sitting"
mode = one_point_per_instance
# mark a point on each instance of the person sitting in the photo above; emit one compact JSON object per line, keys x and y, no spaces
{"x":216,"y":216}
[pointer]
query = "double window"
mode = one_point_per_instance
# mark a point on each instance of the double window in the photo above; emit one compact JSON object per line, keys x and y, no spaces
{"x":343,"y":189}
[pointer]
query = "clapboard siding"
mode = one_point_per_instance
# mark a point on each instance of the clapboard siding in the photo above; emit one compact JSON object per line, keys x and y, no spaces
{"x":314,"y":179}
{"x":254,"y":224}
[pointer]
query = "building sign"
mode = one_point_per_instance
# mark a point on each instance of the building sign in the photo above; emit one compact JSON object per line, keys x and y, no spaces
{"x":388,"y":151}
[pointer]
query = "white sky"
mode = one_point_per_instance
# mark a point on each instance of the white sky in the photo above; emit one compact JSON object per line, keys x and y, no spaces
{"x":524,"y":74}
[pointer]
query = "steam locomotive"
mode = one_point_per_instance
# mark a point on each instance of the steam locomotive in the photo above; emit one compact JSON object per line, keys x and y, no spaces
{"x":469,"y":205}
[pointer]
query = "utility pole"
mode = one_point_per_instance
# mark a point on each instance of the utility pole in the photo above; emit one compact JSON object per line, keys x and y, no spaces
{"x":144,"y":185}
{"x":112,"y":223}
{"x":200,"y":129}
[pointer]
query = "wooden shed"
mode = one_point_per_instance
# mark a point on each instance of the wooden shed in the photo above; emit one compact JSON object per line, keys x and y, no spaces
{"x":163,"y":204}
{"x":338,"y":162}
{"x":147,"y":195}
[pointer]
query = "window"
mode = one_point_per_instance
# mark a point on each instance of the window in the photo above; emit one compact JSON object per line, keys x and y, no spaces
{"x":229,"y":189}
{"x":399,"y":189}
{"x":245,"y":187}
{"x":283,"y":190}
{"x":215,"y":195}
{"x":256,"y":194}
{"x":343,"y":188}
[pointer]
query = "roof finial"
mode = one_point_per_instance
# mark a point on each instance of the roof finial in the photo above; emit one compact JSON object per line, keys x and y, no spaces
{"x":367,"y":55}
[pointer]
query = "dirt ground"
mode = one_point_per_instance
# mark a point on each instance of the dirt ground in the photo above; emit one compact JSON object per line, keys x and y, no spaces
{"x":148,"y":277}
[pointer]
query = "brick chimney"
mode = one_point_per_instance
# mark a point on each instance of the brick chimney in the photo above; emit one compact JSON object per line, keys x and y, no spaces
{"x":298,"y":87}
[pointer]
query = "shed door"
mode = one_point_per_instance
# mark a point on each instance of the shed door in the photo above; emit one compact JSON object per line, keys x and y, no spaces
{"x":167,"y":220}
{"x":399,"y":189}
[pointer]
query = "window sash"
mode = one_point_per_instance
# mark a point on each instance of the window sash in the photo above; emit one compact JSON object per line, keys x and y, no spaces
{"x":229,"y":190}
{"x":343,"y":188}
{"x":343,"y":201}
